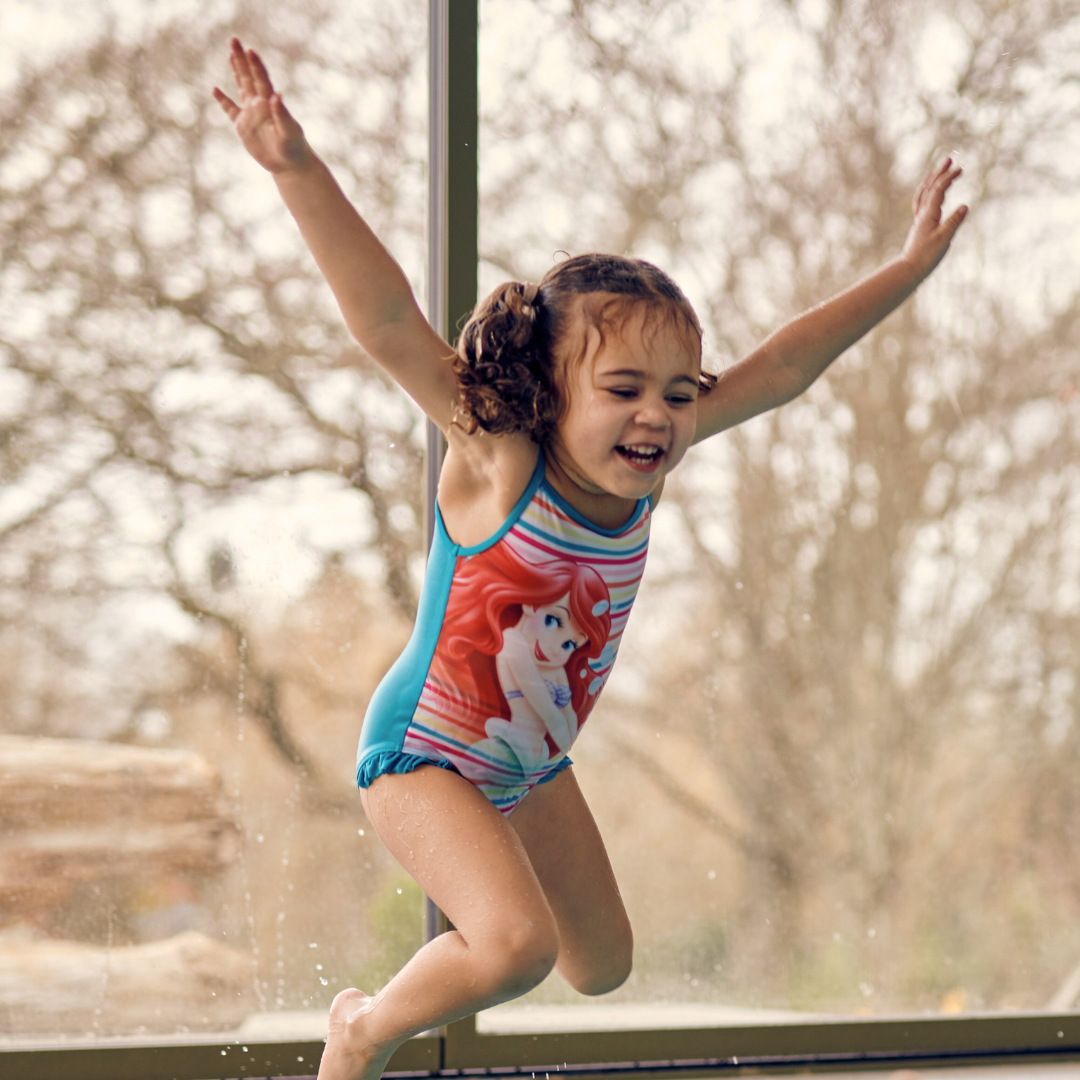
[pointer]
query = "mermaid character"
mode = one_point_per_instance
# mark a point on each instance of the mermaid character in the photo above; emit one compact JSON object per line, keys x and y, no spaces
{"x":531,"y":635}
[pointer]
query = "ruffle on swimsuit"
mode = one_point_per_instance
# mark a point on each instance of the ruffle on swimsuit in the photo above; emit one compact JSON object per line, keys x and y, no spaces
{"x":397,"y":761}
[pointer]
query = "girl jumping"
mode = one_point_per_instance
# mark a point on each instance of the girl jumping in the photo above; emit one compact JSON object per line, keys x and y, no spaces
{"x":564,"y":408}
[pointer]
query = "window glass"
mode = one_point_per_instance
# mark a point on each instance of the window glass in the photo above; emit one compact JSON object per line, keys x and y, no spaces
{"x":835,"y":765}
{"x":209,"y":523}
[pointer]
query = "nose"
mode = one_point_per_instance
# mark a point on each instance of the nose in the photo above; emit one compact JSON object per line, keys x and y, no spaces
{"x":653,"y":413}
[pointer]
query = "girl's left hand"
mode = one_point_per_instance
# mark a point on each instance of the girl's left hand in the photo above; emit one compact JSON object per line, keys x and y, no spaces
{"x":929,"y":236}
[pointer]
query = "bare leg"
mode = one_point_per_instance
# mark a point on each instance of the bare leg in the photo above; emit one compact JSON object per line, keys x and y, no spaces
{"x":468,"y":859}
{"x":564,"y":846}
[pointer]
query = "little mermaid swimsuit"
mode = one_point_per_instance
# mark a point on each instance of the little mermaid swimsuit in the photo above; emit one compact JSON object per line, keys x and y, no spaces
{"x":475,"y":689}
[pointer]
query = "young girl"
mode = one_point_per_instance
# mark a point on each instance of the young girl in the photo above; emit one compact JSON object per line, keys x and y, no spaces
{"x":564,"y":409}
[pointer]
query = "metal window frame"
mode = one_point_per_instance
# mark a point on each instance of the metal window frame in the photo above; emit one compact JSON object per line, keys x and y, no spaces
{"x":459,"y":1048}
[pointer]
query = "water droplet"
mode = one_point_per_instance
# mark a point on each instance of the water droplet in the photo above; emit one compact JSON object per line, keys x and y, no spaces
{"x":323,"y":981}
{"x":359,"y":832}
{"x":318,"y":967}
{"x":259,"y":838}
{"x":399,"y":892}
{"x":313,"y":945}
{"x":712,"y":875}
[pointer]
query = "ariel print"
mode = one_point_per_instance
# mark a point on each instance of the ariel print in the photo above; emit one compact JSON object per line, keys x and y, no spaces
{"x":514,"y":640}
{"x":527,"y":635}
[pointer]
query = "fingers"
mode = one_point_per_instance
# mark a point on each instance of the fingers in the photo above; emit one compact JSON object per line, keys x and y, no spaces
{"x":952,"y":223}
{"x":260,"y":77}
{"x":253,"y":81}
{"x":232,"y":110}
{"x":935,"y":181}
{"x":241,"y":69}
{"x":931,"y":194}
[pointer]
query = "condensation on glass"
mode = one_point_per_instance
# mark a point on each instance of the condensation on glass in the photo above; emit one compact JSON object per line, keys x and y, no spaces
{"x":210,"y":529}
{"x":835,"y":765}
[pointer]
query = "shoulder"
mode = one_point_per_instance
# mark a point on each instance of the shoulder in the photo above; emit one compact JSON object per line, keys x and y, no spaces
{"x":483,"y":476}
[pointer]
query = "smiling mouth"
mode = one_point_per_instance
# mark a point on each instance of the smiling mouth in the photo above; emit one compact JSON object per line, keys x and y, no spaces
{"x":540,"y":654}
{"x":641,"y":457}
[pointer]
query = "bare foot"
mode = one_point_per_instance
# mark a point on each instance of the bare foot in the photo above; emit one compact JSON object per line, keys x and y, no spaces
{"x":350,"y":1054}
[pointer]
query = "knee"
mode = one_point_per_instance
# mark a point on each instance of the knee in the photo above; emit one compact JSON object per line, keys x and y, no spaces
{"x":525,"y":954}
{"x":608,"y":970}
{"x":603,"y":981}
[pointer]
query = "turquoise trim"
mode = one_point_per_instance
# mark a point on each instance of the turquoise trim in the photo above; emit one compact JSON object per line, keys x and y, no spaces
{"x":394,"y":702}
{"x":581,"y":519}
{"x":519,"y":508}
{"x":549,"y":776}
{"x":391,"y":761}
{"x":395,"y":699}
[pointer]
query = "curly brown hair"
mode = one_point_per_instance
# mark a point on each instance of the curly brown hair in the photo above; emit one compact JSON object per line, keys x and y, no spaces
{"x":508,"y":356}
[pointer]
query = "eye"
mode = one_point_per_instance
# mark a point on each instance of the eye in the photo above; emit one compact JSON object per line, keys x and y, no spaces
{"x":552,"y":620}
{"x":569,"y":646}
{"x":624,"y":393}
{"x":680,"y":399}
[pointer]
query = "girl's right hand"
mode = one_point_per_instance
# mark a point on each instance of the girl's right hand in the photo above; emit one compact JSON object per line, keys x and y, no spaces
{"x":267,"y":129}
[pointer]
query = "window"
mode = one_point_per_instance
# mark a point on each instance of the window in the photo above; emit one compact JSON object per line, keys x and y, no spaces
{"x":210,"y":532}
{"x":834,"y":768}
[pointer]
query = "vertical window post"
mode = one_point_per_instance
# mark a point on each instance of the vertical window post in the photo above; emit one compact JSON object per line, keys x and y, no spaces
{"x":452,"y":213}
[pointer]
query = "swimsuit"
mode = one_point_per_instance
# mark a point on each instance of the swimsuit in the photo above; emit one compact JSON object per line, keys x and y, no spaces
{"x":514,"y":639}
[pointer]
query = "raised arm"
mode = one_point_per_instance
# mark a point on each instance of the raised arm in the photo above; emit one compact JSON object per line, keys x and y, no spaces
{"x":372,"y":291}
{"x":790,"y":359}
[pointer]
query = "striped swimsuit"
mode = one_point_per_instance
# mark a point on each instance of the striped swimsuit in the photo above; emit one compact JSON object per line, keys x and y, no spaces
{"x":514,"y":639}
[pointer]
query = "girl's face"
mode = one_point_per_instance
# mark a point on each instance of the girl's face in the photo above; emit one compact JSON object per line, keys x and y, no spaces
{"x":552,"y":632}
{"x":631,"y":409}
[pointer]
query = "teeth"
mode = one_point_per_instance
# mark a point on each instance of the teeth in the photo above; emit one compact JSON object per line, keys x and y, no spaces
{"x":645,"y":452}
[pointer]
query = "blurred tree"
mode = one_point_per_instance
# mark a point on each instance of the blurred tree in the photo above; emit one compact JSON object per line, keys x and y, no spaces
{"x":881,"y":584}
{"x":170,"y":362}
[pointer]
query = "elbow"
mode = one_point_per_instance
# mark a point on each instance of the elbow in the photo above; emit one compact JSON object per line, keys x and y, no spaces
{"x":792,"y":380}
{"x":380,"y":333}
